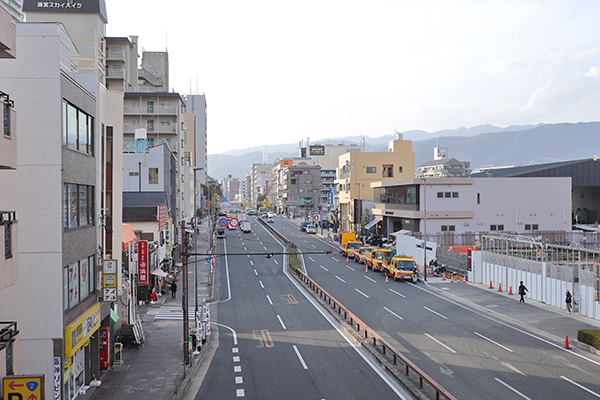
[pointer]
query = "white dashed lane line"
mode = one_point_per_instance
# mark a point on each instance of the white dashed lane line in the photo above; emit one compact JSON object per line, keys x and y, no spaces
{"x":340,"y":279}
{"x":323,"y":268}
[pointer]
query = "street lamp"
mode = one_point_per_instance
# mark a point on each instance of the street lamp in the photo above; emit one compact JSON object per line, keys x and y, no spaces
{"x":424,"y":179}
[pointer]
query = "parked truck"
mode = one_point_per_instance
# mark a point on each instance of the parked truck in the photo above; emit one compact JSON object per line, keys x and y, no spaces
{"x":402,"y":267}
{"x":348,"y":243}
{"x":362,"y":254}
{"x":378,"y":258}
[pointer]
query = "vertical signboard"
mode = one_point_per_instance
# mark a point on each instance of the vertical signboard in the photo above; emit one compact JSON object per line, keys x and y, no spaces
{"x":143,"y":262}
{"x":169,"y":237}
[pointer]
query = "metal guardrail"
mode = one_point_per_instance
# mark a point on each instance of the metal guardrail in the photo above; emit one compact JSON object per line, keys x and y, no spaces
{"x":377,"y":339}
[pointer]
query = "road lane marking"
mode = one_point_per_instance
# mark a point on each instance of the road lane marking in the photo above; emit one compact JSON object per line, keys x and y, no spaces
{"x":281,"y":322}
{"x":310,"y":258}
{"x":235,"y":350}
{"x":245,"y":249}
{"x":314,"y":247}
{"x":340,"y":279}
{"x":399,"y":294}
{"x":268,"y":298}
{"x":438,"y":342}
{"x":305,"y":241}
{"x":300,"y":357}
{"x":276,"y":261}
{"x":335,"y":259}
{"x":391,"y":312}
{"x":261,"y":284}
{"x":372,"y":280}
{"x":237,"y":368}
{"x":323,"y":268}
{"x":490,"y":340}
{"x":251,"y":262}
{"x":240,"y":393}
{"x":236,"y":358}
{"x":255,"y":273}
{"x":513,"y":389}
{"x":264,"y":247}
{"x":239,"y":380}
{"x":511,"y":367}
{"x":580,"y":386}
{"x":436,"y":313}
{"x":362,"y":293}
{"x":350,"y":268}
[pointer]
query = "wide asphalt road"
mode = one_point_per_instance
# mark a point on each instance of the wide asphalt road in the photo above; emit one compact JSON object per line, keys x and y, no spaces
{"x":274,"y":342}
{"x":473,"y":354}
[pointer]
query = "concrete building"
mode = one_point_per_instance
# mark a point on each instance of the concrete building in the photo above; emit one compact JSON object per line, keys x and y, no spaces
{"x":357,"y":171}
{"x":9,"y":233}
{"x":121,"y":63}
{"x":153,"y":75}
{"x":473,"y":204}
{"x":442,"y":166}
{"x":196,"y":104}
{"x":259,"y":176}
{"x":231,"y":188}
{"x":301,"y":193}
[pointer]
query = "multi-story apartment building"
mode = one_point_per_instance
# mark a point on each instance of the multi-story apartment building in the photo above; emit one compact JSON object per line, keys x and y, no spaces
{"x":441,"y":166}
{"x":259,"y":176}
{"x":121,"y":63}
{"x":301,"y":193}
{"x":153,"y":76}
{"x":9,"y":255}
{"x":357,"y":170}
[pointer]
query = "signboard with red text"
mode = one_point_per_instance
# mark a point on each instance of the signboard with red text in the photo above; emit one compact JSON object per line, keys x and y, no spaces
{"x":143,"y":262}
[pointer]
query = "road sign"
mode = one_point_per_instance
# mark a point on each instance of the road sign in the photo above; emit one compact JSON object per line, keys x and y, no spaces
{"x":317,"y":217}
{"x":223,"y":222}
{"x":110,"y":294}
{"x":208,"y":260}
{"x":209,"y":251}
{"x":234,"y":222}
{"x":27,"y":387}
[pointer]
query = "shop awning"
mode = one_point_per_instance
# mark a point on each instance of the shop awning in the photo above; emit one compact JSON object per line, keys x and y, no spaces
{"x":128,"y":236}
{"x":372,"y":224}
{"x":159,"y":272}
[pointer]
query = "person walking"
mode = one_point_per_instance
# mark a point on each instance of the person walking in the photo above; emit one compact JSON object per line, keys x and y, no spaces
{"x":568,"y":300}
{"x":173,"y":289}
{"x":522,"y":290}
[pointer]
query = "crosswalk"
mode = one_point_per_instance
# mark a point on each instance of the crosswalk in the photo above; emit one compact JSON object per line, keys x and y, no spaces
{"x":175,"y":312}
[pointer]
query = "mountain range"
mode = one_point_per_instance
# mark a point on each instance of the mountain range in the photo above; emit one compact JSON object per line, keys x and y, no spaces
{"x":482,"y":146}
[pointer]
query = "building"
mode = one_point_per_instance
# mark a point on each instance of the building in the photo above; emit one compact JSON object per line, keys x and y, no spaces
{"x":259,"y":176}
{"x":357,"y":170}
{"x":473,"y":204}
{"x":121,"y":63}
{"x":442,"y":166}
{"x":301,"y":189}
{"x":153,"y":75}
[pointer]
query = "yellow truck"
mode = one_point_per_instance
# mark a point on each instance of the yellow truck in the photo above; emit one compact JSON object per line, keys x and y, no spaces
{"x":362,"y":254}
{"x":402,"y":267}
{"x":349,"y":243}
{"x":378,"y":258}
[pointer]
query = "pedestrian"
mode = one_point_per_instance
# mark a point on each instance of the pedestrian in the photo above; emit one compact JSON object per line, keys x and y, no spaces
{"x":568,"y":300}
{"x":173,"y":289}
{"x":522,"y":290}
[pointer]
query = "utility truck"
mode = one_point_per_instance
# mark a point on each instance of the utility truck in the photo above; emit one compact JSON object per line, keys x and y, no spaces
{"x":402,"y":267}
{"x":379,"y":257}
{"x":349,"y":243}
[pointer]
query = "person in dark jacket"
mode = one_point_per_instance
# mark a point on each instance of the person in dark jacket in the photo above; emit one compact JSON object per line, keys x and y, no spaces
{"x":522,"y":290}
{"x":568,"y":300}
{"x":173,"y":289}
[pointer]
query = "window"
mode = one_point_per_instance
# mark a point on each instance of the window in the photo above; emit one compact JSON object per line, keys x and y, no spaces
{"x":79,"y":281}
{"x":531,"y":227}
{"x":455,"y":195}
{"x":153,"y":176}
{"x":447,"y":195}
{"x":77,"y":129}
{"x":308,"y":182}
{"x":496,"y":227}
{"x":440,"y":195}
{"x":150,"y":107}
{"x":134,"y":173}
{"x":448,"y":228}
{"x":400,"y":169}
{"x":292,"y":181}
{"x":6,"y":118}
{"x":371,"y":170}
{"x":78,"y":205}
{"x":150,"y":125}
{"x":387,"y":171}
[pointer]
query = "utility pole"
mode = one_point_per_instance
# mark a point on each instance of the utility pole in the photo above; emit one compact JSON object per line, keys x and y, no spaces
{"x":184,"y":297}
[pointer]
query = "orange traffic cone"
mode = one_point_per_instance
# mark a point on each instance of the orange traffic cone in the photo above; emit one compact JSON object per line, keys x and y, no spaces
{"x":464,"y":279}
{"x":491,"y":287}
{"x":500,"y":288}
{"x":366,"y":269}
{"x":347,"y":259}
{"x":444,"y":277}
{"x":334,"y":252}
{"x":510,"y":290}
{"x":567,"y":342}
{"x":452,"y":279}
{"x":386,"y":279}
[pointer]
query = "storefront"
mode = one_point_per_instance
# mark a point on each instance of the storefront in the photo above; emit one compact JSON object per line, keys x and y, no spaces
{"x":78,"y":354}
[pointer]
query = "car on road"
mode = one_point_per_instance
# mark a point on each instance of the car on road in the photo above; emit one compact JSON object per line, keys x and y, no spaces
{"x":311,"y":228}
{"x":220,"y":233}
{"x":251,"y":212}
{"x":270,"y":219}
{"x":303,"y":226}
{"x":246,"y":227}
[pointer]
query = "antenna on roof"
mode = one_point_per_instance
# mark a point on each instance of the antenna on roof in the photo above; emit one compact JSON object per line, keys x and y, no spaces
{"x":265,"y":154}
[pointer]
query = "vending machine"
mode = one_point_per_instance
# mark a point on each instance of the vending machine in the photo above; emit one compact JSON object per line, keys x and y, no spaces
{"x":104,"y":347}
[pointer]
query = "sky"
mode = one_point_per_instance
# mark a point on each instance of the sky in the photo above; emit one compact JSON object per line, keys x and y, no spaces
{"x":281,"y":71}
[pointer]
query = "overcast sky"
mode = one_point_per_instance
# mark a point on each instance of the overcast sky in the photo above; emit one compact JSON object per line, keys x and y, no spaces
{"x":278,"y":71}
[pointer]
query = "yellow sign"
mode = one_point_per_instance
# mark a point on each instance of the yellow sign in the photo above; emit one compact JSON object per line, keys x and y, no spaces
{"x":80,"y":330}
{"x":110,"y":280}
{"x":23,"y":387}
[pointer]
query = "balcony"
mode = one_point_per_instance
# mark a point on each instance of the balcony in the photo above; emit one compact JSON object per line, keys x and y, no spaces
{"x":160,"y":110}
{"x":8,"y":253}
{"x":8,"y":139}
{"x":115,"y":55}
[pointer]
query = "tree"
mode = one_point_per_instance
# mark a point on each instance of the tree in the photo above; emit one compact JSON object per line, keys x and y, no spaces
{"x":366,"y":217}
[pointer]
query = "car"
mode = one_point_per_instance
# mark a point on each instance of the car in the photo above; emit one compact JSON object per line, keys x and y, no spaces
{"x":251,"y":212}
{"x":270,"y":219}
{"x":311,"y":228}
{"x":303,"y":226}
{"x":220,"y":233}
{"x":246,"y":227}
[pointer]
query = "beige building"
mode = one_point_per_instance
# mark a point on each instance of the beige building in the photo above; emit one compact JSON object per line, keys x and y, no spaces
{"x":357,"y":170}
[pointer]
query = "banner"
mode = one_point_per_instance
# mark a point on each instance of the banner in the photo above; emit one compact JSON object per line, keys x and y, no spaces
{"x":143,"y":262}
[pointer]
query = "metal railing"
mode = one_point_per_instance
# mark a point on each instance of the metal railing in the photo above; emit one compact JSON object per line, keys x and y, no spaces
{"x":377,"y":340}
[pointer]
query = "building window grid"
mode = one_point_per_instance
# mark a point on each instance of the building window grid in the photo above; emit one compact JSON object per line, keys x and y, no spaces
{"x":79,"y":281}
{"x":78,"y":205}
{"x":531,"y":227}
{"x":497,"y":227}
{"x":78,"y":130}
{"x":448,"y":228}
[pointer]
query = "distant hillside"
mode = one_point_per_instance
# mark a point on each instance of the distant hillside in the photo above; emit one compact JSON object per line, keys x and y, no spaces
{"x":502,"y":146}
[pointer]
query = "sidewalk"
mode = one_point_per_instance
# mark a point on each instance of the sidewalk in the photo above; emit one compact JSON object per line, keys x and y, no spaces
{"x":156,"y":370}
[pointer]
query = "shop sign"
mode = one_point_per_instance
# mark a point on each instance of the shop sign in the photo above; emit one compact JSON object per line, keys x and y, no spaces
{"x":143,"y":262}
{"x":30,"y":387}
{"x":56,"y":384}
{"x":80,"y":330}
{"x":169,"y":236}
